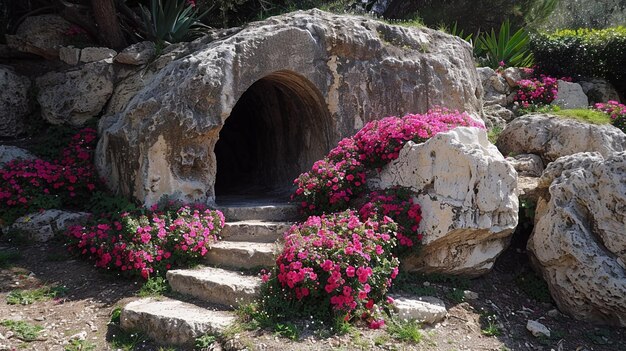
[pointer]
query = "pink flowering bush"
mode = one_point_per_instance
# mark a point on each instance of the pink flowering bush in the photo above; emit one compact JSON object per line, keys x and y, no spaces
{"x":616,"y":111}
{"x":399,"y":206}
{"x":334,"y":265}
{"x":536,"y":92}
{"x":147,"y":243}
{"x":68,"y":181}
{"x":338,"y":179}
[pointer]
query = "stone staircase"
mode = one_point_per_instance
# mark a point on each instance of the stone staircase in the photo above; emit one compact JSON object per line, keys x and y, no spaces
{"x":209,"y":293}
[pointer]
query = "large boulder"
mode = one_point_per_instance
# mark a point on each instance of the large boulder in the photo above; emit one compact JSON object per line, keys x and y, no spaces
{"x":579,"y":243}
{"x":14,"y":102}
{"x":74,"y":96}
{"x":599,"y":90}
{"x":467,"y":191}
{"x":570,"y":95}
{"x":41,"y":35}
{"x":551,"y":137}
{"x":326,"y":74}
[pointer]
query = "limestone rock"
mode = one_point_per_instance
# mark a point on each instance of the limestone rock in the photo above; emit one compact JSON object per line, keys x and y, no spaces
{"x":467,"y":193}
{"x":337,"y":73}
{"x":74,"y":96}
{"x":578,"y":242}
{"x":69,"y":55}
{"x":537,"y":329}
{"x":566,"y":164}
{"x":425,"y":309}
{"x":173,"y":322}
{"x":551,"y":137}
{"x":137,"y":54}
{"x":599,"y":90}
{"x":14,"y":102}
{"x":499,"y":111}
{"x":41,"y":35}
{"x":10,"y":153}
{"x":527,"y":164}
{"x":570,"y":95}
{"x":512,"y":75}
{"x":528,"y":189}
{"x":94,"y":54}
{"x":42,"y":226}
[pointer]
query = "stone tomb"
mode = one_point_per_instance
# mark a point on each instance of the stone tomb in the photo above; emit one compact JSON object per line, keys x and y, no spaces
{"x":248,"y":112}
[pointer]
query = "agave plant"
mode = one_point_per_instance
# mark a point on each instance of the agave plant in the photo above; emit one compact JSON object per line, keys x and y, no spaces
{"x":492,"y":50}
{"x":171,"y":21}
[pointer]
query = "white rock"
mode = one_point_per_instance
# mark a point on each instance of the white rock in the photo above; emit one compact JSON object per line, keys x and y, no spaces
{"x":74,"y":96}
{"x":537,"y":329}
{"x":470,"y":295}
{"x":552,"y":137}
{"x":162,"y":142}
{"x":578,"y":242}
{"x":42,"y":226}
{"x":512,"y":76}
{"x":137,"y":54}
{"x":528,"y":165}
{"x":466,"y":190}
{"x":15,"y":104}
{"x":570,"y":95}
{"x":69,"y":55}
{"x":426,"y":309}
{"x":79,"y":336}
{"x":94,"y":54}
{"x":9,"y":153}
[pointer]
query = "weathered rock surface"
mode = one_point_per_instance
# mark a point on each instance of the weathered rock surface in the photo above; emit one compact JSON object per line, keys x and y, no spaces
{"x":537,"y":329}
{"x":74,"y":96}
{"x":173,"y":322}
{"x":570,"y":95}
{"x":425,"y":309}
{"x":552,"y":137}
{"x":41,"y":35}
{"x":578,"y":242}
{"x":42,"y":226}
{"x":599,"y":90}
{"x":10,"y":153}
{"x":527,"y":164}
{"x":14,"y":102}
{"x":467,"y":193}
{"x":215,"y":285}
{"x":94,"y":54}
{"x":338,"y":71}
{"x":69,"y":55}
{"x":241,"y":255}
{"x":137,"y":54}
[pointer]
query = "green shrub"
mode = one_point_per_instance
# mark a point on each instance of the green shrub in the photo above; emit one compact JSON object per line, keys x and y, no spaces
{"x":505,"y":48}
{"x":583,"y":53}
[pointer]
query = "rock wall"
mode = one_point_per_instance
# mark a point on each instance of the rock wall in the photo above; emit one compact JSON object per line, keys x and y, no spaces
{"x":356,"y":69}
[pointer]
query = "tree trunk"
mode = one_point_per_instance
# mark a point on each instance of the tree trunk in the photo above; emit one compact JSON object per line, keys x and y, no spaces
{"x":109,"y":30}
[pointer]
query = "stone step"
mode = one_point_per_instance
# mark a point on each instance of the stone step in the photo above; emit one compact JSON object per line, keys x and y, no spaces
{"x":173,"y":322}
{"x":254,"y":231}
{"x":215,"y":285}
{"x":280,"y":212}
{"x":241,"y":254}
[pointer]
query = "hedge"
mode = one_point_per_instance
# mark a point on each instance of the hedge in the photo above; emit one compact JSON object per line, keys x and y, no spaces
{"x":583,"y":53}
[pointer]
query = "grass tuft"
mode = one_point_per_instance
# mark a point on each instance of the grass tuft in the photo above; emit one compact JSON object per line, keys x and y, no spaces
{"x":585,"y":115}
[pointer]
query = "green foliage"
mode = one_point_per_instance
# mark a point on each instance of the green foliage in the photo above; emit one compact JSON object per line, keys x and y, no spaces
{"x":23,"y":330}
{"x":585,"y":115}
{"x":127,"y":341}
{"x":205,"y":341}
{"x":51,"y":140}
{"x":154,"y":287}
{"x":171,"y":21}
{"x":80,"y":345}
{"x":8,"y":257}
{"x":533,"y":286}
{"x":490,"y":325}
{"x":27,"y":297}
{"x":493,"y":134}
{"x":406,"y":283}
{"x":116,"y":314}
{"x":537,"y":109}
{"x":406,"y":331}
{"x":104,"y":202}
{"x":456,"y":295}
{"x":539,"y":12}
{"x":583,"y":52}
{"x":287,"y":330}
{"x":513,"y":49}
